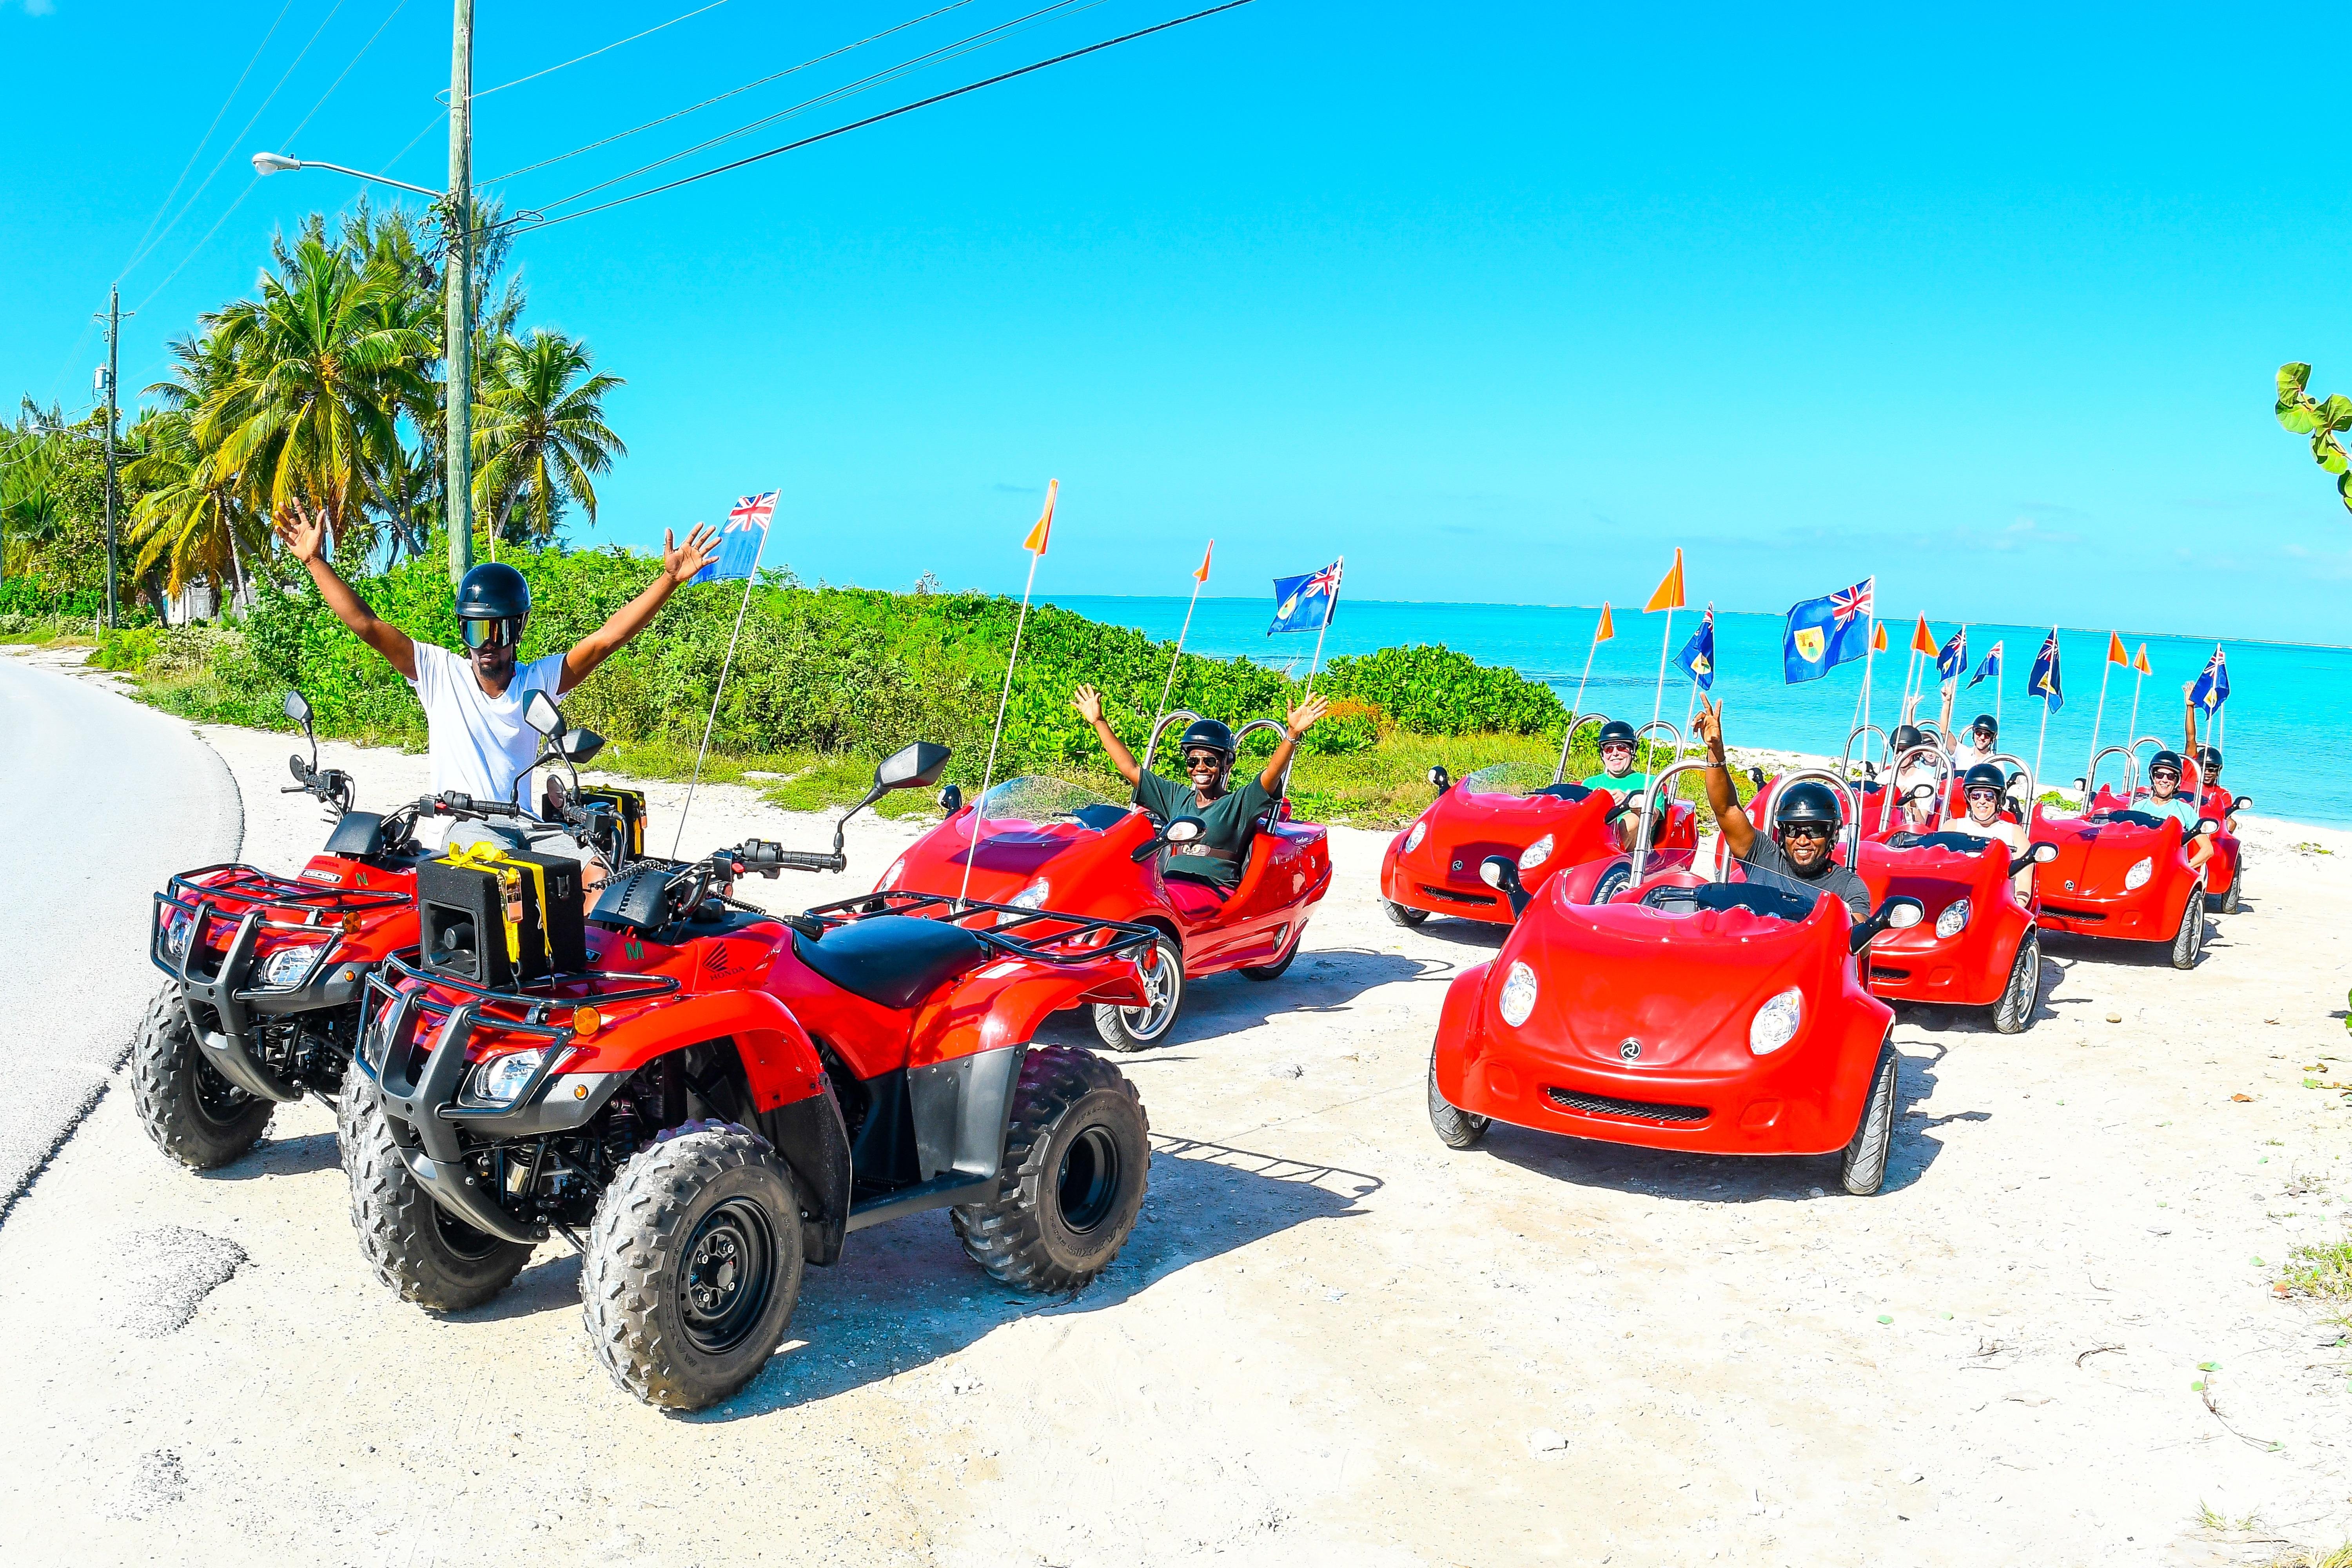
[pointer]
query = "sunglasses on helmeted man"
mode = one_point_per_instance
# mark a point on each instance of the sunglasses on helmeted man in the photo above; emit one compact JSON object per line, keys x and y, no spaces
{"x":499,"y":632}
{"x":1806,"y":830}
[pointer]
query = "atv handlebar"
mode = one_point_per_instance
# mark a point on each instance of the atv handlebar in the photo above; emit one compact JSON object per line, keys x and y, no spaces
{"x":767,"y":859}
{"x":456,"y":803}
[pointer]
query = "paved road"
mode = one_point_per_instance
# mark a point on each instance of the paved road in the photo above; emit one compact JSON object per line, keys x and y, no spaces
{"x":103,"y":799}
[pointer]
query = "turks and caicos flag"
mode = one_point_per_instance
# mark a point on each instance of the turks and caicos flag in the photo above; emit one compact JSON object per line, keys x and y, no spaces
{"x":741,"y":540}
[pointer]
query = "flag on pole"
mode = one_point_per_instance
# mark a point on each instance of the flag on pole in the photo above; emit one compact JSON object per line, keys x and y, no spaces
{"x":2213,"y":687}
{"x":2139,"y":660}
{"x":1921,"y":639}
{"x":1202,"y":574}
{"x":1306,"y":603}
{"x":1954,"y":657}
{"x":2044,"y":682}
{"x":1607,"y":628}
{"x":1697,"y":657}
{"x":1669,"y":594}
{"x":1878,"y":637}
{"x":741,"y":540}
{"x":2116,"y":652}
{"x":1043,"y":529}
{"x":1821,"y":634}
{"x":1990,"y":667}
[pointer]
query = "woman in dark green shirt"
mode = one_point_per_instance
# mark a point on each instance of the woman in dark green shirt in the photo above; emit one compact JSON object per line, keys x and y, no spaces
{"x":1205,"y":791}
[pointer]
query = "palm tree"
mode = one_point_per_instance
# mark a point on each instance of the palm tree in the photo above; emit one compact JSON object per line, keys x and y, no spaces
{"x":196,"y":518}
{"x":321,"y":367}
{"x":540,"y":434}
{"x":30,"y":511}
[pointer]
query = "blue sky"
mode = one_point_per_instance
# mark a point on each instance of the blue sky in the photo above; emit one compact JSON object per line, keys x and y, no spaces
{"x":1502,"y":302}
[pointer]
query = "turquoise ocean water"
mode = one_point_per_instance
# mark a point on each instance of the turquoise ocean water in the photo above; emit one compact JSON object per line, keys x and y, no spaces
{"x":2288,"y":729}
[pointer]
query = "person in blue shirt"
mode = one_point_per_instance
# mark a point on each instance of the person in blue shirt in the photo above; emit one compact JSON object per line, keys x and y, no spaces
{"x":2163,"y":798}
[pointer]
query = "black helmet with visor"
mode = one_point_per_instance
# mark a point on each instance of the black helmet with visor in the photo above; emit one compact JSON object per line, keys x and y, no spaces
{"x":493,"y":602}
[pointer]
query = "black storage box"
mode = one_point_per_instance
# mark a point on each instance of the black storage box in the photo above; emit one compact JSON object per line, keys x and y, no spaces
{"x":483,"y":919}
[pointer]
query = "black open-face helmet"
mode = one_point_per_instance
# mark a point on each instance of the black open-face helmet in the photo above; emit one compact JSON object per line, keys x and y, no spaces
{"x":1984,"y":776}
{"x":2165,"y":760}
{"x":493,"y":601}
{"x":1808,"y":801}
{"x":1984,"y":724}
{"x":1208,"y":735}
{"x":2210,"y":759}
{"x":1905,"y":736}
{"x":1617,"y":732}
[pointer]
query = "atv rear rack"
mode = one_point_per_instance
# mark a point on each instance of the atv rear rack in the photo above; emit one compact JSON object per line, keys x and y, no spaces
{"x":1129,"y":934}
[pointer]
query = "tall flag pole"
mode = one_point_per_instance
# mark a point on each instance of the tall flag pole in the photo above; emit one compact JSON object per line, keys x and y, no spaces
{"x":2116,"y":655}
{"x":740,"y":545}
{"x":1039,"y":533}
{"x":1602,"y":631}
{"x":1199,"y":578}
{"x":2140,"y":672}
{"x":2046,"y":683}
{"x":1668,"y":597}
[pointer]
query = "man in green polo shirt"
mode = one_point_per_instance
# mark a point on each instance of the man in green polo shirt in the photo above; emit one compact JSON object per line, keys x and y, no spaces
{"x":1205,"y":791}
{"x":1617,"y":774}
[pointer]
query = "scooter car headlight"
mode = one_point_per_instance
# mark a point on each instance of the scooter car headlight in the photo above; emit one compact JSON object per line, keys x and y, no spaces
{"x":498,"y":1080}
{"x":2142,"y":869}
{"x":1536,"y":854}
{"x":1953,"y":919}
{"x":1034,"y":895}
{"x":1775,"y":1024}
{"x":1518,"y":997}
{"x":287,"y":965}
{"x":1413,"y":840}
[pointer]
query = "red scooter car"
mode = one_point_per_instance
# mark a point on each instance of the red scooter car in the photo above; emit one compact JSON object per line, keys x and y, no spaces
{"x":2122,"y":875}
{"x":1724,"y":1017}
{"x":718,"y":1096}
{"x":1044,"y":841}
{"x":1549,"y":826}
{"x":2225,"y":867}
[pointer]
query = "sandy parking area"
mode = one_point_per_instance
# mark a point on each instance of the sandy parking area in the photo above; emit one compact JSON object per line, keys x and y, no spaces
{"x":1331,"y":1340}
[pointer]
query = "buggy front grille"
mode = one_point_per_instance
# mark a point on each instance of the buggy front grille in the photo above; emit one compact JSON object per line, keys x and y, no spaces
{"x":1625,"y":1110}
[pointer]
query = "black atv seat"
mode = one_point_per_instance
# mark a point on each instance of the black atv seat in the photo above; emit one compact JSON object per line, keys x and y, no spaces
{"x":895,"y":960}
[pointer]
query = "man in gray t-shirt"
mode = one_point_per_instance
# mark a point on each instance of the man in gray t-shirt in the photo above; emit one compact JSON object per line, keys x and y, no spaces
{"x":1797,"y":858}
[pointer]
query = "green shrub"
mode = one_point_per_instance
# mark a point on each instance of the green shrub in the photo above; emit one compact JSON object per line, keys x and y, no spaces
{"x":1436,"y":692}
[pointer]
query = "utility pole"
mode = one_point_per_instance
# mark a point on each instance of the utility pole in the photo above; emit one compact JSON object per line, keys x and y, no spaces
{"x":458,"y":224}
{"x":113,"y":331}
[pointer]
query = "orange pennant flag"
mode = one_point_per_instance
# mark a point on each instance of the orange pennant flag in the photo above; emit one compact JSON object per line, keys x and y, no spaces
{"x":1878,"y":636}
{"x":2117,"y":653}
{"x":1202,"y":574}
{"x":1607,"y":628}
{"x":2139,"y":660}
{"x":1669,"y":595}
{"x":1921,"y":639}
{"x":1035,"y":543}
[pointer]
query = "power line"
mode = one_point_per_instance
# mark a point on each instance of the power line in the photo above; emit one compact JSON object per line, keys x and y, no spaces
{"x":946,"y":51}
{"x":902,"y":109}
{"x":592,"y":54}
{"x":354,"y":60}
{"x":731,"y":92}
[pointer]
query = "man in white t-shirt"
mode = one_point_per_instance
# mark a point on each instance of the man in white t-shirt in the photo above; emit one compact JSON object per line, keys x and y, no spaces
{"x":479,"y":741}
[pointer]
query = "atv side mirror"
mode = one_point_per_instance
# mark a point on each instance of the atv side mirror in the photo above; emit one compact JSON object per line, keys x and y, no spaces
{"x":297,"y":708}
{"x":539,"y":711}
{"x":1439,"y":778}
{"x":951,"y":799}
{"x":1501,"y":873}
{"x":918,"y":766}
{"x":579,"y":745}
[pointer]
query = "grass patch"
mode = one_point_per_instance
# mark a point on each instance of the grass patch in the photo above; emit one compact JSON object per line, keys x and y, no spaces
{"x":2323,"y":1271}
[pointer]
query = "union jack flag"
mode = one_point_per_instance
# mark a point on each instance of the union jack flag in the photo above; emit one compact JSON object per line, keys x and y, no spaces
{"x":741,"y":541}
{"x":1306,"y":603}
{"x":753,"y":509}
{"x":1848,"y":603}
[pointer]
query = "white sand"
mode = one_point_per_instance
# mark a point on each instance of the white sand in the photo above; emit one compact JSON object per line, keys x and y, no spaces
{"x":1331,"y":1340}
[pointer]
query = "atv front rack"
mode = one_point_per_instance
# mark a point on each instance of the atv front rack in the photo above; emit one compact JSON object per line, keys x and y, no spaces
{"x":1081,"y":938}
{"x":251,"y":886}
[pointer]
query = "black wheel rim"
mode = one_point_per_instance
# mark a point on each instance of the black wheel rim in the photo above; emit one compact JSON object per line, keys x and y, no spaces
{"x":1085,"y":1188}
{"x":463,"y":1240}
{"x":218,"y":1101}
{"x":725,"y":1276}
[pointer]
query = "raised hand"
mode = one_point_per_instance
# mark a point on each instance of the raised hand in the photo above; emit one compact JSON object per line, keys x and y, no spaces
{"x":1710,"y":723}
{"x":1089,"y":702}
{"x":681,"y":562}
{"x":1302,"y":718}
{"x":304,"y":533}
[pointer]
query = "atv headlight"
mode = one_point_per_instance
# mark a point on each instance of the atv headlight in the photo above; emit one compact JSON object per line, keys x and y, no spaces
{"x":1413,"y":840}
{"x":1519,"y":994}
{"x":1775,"y":1024}
{"x":1034,"y":895}
{"x":175,"y":933}
{"x":2142,"y":869}
{"x":1953,"y":919}
{"x":499,"y":1080}
{"x":285,"y":968}
{"x":1536,"y":854}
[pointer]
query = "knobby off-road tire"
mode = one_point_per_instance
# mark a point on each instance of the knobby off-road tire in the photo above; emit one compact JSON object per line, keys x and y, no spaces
{"x":693,"y":1266}
{"x":2013,"y":1014}
{"x":192,"y":1113}
{"x":2190,"y":941}
{"x":1456,"y":1128}
{"x":1077,"y":1155}
{"x":1401,"y":915}
{"x":1864,"y":1168}
{"x":424,"y":1254}
{"x":1134,"y":1029}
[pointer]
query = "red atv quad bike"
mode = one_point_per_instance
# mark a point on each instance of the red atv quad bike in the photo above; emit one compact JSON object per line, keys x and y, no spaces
{"x":1720,"y":1017}
{"x":717,"y":1096}
{"x":2225,"y":868}
{"x":2122,"y":875}
{"x":265,"y":974}
{"x":1044,"y":840}
{"x":1548,"y":824}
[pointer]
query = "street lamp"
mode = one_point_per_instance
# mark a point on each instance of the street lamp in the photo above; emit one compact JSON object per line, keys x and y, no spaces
{"x":455,"y":346}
